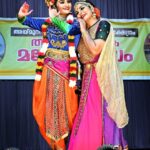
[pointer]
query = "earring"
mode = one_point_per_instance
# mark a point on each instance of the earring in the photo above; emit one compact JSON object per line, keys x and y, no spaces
{"x":94,"y":15}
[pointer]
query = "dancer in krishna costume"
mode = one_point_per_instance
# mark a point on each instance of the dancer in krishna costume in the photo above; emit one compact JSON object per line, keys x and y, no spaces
{"x":102,"y":109}
{"x":54,"y":100}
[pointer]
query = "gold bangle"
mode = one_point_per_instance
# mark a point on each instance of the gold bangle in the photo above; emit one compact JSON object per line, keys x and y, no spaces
{"x":84,"y":33}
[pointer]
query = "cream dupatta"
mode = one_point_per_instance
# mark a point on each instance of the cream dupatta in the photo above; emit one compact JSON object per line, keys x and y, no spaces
{"x":110,"y":82}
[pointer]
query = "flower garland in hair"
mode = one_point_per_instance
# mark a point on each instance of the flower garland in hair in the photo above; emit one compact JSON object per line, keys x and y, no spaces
{"x":72,"y":53}
{"x":41,"y":54}
{"x":50,"y":2}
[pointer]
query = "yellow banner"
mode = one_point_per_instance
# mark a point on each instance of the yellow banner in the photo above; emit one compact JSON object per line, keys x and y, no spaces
{"x":19,"y":47}
{"x":132,"y":41}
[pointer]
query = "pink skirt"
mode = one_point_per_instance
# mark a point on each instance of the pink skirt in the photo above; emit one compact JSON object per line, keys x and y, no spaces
{"x":93,"y":126}
{"x":87,"y":131}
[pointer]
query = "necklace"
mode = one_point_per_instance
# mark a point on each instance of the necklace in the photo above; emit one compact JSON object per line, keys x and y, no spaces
{"x":93,"y":24}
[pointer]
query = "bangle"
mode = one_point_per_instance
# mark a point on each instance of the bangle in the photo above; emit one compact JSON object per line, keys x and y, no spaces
{"x":84,"y":32}
{"x":22,"y":19}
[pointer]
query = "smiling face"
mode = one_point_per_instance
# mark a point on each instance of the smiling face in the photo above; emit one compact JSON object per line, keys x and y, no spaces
{"x":64,"y":7}
{"x":83,"y":11}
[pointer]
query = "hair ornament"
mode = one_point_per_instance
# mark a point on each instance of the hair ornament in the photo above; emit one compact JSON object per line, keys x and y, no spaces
{"x":50,"y":2}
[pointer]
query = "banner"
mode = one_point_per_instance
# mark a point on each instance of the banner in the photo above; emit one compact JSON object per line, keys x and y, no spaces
{"x":132,"y":41}
{"x":19,"y":47}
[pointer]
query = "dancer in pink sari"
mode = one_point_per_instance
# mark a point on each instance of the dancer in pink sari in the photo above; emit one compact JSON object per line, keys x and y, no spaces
{"x":102,"y":110}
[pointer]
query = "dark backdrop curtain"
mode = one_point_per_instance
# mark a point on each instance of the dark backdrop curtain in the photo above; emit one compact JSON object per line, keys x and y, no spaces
{"x":17,"y":126}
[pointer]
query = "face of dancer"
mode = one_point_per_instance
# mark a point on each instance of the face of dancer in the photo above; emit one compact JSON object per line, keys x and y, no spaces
{"x":84,"y":12}
{"x":64,"y":7}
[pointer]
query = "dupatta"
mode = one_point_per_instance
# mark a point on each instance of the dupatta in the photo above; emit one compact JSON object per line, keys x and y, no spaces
{"x":110,"y":82}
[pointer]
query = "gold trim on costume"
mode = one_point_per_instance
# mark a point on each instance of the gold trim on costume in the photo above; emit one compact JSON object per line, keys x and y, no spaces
{"x":61,"y":44}
{"x":86,"y":82}
{"x":53,"y":138}
{"x":58,"y":73}
{"x":57,"y":54}
{"x":56,"y":120}
{"x":85,"y":55}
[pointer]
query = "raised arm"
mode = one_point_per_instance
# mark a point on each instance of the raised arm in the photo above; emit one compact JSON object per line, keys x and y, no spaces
{"x":25,"y":20}
{"x":24,"y":10}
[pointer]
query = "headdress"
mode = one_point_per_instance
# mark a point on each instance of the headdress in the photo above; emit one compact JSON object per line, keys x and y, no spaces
{"x":50,"y":2}
{"x":90,"y":5}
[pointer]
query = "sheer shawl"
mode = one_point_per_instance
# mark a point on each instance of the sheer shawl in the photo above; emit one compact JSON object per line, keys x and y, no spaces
{"x":110,"y":82}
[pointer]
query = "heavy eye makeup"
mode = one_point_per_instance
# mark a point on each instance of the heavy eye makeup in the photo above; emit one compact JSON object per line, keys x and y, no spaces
{"x":63,"y":1}
{"x":80,"y":9}
{"x":69,"y":1}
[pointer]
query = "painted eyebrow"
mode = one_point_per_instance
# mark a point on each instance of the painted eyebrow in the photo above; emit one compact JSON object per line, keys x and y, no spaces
{"x":64,"y":0}
{"x":61,"y":0}
{"x":81,"y":7}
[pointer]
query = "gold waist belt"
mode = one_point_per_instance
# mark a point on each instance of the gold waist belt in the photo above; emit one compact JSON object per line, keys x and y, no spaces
{"x":57,"y":54}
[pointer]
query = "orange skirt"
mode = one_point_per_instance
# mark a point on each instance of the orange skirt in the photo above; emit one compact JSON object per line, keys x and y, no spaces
{"x":55,"y":105}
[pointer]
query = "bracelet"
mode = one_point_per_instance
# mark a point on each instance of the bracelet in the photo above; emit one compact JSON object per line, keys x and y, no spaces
{"x":22,"y":19}
{"x":84,"y":33}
